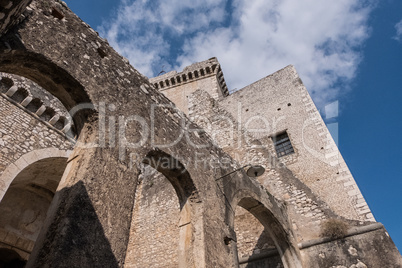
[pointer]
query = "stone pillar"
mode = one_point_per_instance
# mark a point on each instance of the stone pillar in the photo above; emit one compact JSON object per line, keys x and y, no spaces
{"x":89,"y":218}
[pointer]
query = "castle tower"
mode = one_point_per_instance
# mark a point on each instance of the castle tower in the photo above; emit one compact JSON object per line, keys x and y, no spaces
{"x":206,"y":75}
{"x":279,"y":107}
{"x":146,"y":185}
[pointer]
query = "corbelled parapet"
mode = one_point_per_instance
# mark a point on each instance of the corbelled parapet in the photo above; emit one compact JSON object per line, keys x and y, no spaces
{"x":196,"y":71}
{"x":37,"y":102}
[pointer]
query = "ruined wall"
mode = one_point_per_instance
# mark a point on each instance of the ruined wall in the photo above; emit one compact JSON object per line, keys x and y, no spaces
{"x":65,"y":56}
{"x":280,"y":102}
{"x":253,"y":242}
{"x":154,"y":233}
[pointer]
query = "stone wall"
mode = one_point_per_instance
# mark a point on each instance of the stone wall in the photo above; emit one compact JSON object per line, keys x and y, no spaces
{"x":254,"y":242}
{"x":54,"y":48}
{"x":369,"y":247}
{"x":26,"y":130}
{"x":306,"y":210}
{"x":23,"y":131}
{"x":280,"y":102}
{"x":154,"y":233}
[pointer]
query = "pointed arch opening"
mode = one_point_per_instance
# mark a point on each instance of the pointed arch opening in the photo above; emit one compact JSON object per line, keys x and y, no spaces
{"x":262,"y":241}
{"x":161,"y":232}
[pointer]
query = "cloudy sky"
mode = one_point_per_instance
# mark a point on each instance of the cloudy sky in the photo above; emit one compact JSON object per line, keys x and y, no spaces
{"x":251,"y":39}
{"x":347,"y":52}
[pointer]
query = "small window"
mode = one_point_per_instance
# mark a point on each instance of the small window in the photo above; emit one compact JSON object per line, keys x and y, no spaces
{"x":282,"y":143}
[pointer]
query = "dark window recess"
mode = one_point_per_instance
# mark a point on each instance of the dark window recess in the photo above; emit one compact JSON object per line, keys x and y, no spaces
{"x":57,"y":13}
{"x":101,"y":52}
{"x":282,"y":143}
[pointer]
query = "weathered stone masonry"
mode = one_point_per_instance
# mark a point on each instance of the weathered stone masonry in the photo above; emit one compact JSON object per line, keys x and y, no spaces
{"x":104,"y":208}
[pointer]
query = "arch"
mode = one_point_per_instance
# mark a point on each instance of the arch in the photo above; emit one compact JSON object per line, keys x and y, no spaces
{"x":174,"y":171}
{"x":178,"y":176}
{"x":273,"y":223}
{"x":50,"y":77}
{"x":24,"y":161}
{"x":29,"y":186}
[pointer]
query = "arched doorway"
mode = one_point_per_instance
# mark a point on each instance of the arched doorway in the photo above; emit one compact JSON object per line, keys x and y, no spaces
{"x":154,"y":232}
{"x":263,"y":240}
{"x":255,"y":247}
{"x":24,"y":206}
{"x":161,"y":230}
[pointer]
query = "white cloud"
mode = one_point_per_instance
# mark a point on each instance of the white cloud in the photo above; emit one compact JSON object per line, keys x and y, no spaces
{"x":398,"y":28}
{"x":321,"y":38}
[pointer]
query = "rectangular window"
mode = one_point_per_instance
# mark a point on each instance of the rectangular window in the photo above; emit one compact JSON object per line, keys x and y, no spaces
{"x":282,"y":143}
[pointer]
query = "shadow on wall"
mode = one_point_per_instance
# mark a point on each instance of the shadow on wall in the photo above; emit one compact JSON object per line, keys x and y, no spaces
{"x":265,"y":258}
{"x":10,"y":259}
{"x":75,"y":237}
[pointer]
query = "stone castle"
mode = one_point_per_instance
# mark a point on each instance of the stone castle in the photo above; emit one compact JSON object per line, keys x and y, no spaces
{"x":102,"y":167}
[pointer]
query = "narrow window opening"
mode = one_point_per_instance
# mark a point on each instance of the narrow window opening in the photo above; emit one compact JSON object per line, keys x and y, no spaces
{"x":57,"y":13}
{"x":282,"y":143}
{"x":102,"y":52}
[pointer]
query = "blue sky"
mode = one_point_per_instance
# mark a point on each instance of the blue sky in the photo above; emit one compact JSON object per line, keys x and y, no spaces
{"x":346,"y":51}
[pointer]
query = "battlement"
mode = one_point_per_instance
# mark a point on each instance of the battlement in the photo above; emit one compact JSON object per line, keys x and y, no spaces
{"x":191,"y":73}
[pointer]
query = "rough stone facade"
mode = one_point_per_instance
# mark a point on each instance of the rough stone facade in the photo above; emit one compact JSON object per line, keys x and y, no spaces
{"x":101,"y":167}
